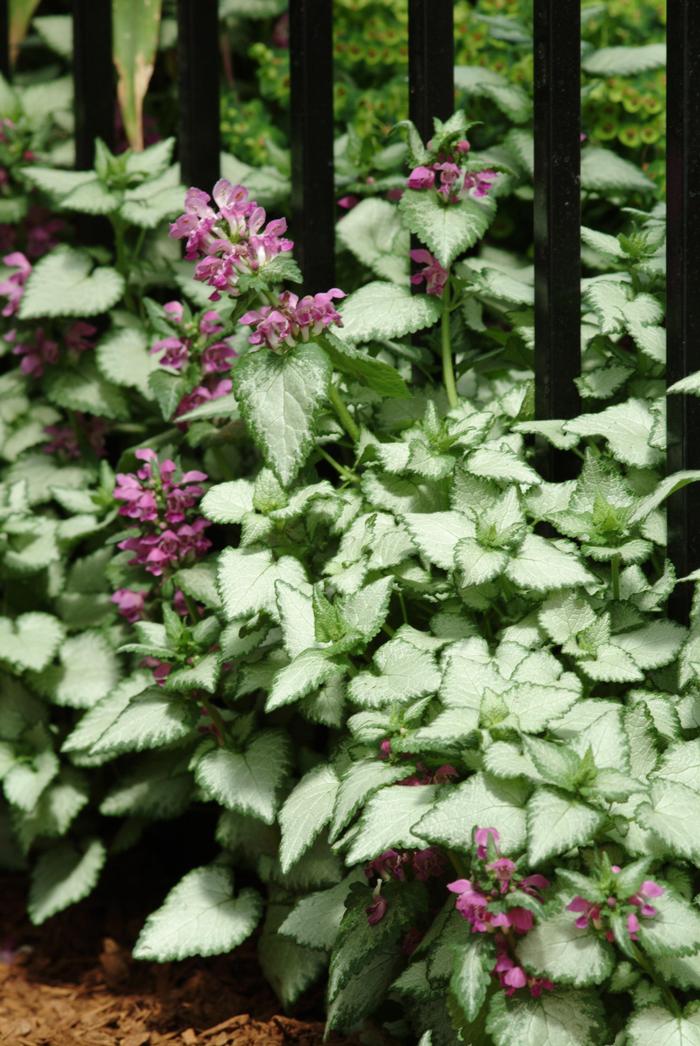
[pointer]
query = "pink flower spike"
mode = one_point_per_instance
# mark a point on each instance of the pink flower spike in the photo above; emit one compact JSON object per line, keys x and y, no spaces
{"x":481,"y":838}
{"x":376,"y":910}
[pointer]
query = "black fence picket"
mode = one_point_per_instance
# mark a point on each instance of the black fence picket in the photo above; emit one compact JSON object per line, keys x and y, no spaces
{"x":683,"y":278}
{"x":557,"y":212}
{"x":311,"y":100}
{"x":5,"y":67}
{"x":198,"y":86}
{"x":431,"y":52}
{"x":93,"y":78}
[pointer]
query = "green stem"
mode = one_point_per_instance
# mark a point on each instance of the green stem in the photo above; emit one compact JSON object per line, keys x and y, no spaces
{"x":448,"y":373}
{"x":615,"y":576}
{"x":216,"y":719}
{"x":344,"y":416}
{"x":347,"y":474}
{"x":668,"y":995}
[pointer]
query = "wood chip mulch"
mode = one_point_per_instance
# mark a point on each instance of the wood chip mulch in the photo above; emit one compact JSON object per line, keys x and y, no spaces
{"x":72,"y":982}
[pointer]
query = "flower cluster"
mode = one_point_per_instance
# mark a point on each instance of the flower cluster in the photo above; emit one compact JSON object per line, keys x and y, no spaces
{"x":597,"y":915}
{"x":292,"y":319}
{"x":231,"y":241}
{"x":70,"y":440}
{"x":190,"y":338}
{"x":448,"y":178}
{"x":432,"y":274}
{"x":204,"y":393}
{"x":13,"y":287}
{"x":395,"y":864}
{"x":161,"y":504}
{"x":483,"y":902}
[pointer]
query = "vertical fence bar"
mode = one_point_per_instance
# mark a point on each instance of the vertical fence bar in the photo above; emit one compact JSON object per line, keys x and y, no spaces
{"x":557,"y":212}
{"x":431,"y":54}
{"x":683,"y":279}
{"x":311,"y":87}
{"x":198,"y":85}
{"x":5,"y":68}
{"x":93,"y":78}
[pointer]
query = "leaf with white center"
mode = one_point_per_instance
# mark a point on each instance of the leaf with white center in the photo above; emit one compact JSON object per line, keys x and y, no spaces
{"x":564,"y":614}
{"x":656,"y":1026}
{"x":150,"y":720}
{"x":202,"y":675}
{"x":373,"y":232}
{"x":683,"y":970}
{"x":437,"y":534}
{"x":612,"y":664}
{"x":296,"y":614}
{"x":65,"y":283}
{"x":562,"y":1017}
{"x":315,"y":920}
{"x":26,"y":779}
{"x":88,"y":671}
{"x":307,"y":672}
{"x":654,"y":645}
{"x":200,"y":916}
{"x":228,"y":502}
{"x":247,"y":781}
{"x":123,"y":357}
{"x":556,"y":762}
{"x":388,"y":821}
{"x":365,"y":611}
{"x":531,"y":707}
{"x":557,"y":948}
{"x":160,"y":786}
{"x":306,"y":811}
{"x":604,"y":172}
{"x":30,"y":640}
{"x":478,"y":564}
{"x":557,"y":822}
{"x":280,"y":397}
{"x":82,"y":387}
{"x":357,"y":784}
{"x":666,"y":487}
{"x":627,"y":428}
{"x":480,"y":801}
{"x":471,"y":976}
{"x":681,"y":763}
{"x":672,"y":808}
{"x":674,"y":930}
{"x":381,"y":310}
{"x":288,"y":967}
{"x":481,"y":82}
{"x":625,"y":61}
{"x":447,"y":230}
{"x":56,"y":809}
{"x":62,"y":876}
{"x":101,"y":716}
{"x":405,"y":672}
{"x":246,"y":581}
{"x":543,"y":565}
{"x":501,"y":463}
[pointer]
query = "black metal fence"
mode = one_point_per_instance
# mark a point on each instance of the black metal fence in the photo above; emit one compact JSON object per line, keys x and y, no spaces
{"x":431,"y":91}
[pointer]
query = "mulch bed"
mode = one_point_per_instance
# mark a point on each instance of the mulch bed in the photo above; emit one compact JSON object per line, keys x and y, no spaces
{"x":72,"y":982}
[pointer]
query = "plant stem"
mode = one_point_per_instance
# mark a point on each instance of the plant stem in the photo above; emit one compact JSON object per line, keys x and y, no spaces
{"x":448,"y":373}
{"x":216,"y":719}
{"x":344,"y":416}
{"x":615,"y":576}
{"x":346,"y":473}
{"x":668,"y":995}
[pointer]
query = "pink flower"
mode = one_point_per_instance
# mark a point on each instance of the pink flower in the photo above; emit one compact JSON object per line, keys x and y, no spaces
{"x":428,"y":863}
{"x":293,"y":319}
{"x":434,"y":276}
{"x":174,"y":310}
{"x":376,"y":910}
{"x":210,"y":323}
{"x":479,"y":183}
{"x":385,"y":749}
{"x":202,"y":394}
{"x":421,"y":178}
{"x":520,"y":919}
{"x":647,"y":890}
{"x":78,"y":336}
{"x":463,"y":146}
{"x":36,"y":353}
{"x":129,"y":603}
{"x":532,"y":884}
{"x":481,"y":838}
{"x":632,"y":926}
{"x":504,"y":870}
{"x":449,"y":176}
{"x":348,"y":202}
{"x":512,"y":977}
{"x":161,"y":669}
{"x":175,"y":352}
{"x":471,"y":904}
{"x":66,"y":439}
{"x":217,"y":358}
{"x":13,"y":287}
{"x":445,"y":773}
{"x":389,"y":865}
{"x":590,"y":912}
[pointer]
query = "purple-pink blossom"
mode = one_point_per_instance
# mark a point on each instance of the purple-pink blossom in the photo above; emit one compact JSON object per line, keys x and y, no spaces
{"x":293,"y":319}
{"x":449,"y":179}
{"x":204,"y":393}
{"x":129,"y":603}
{"x":376,"y":910}
{"x":192,"y":341}
{"x":70,"y":440}
{"x":595,"y":915}
{"x":12,"y":288}
{"x":36,"y":350}
{"x":432,"y":274}
{"x":481,"y":839}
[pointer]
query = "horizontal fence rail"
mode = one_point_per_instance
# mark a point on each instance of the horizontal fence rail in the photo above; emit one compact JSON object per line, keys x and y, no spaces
{"x":557,"y":207}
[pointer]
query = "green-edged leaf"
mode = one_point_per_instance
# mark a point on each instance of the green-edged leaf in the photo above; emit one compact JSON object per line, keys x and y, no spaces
{"x":82,"y":387}
{"x":62,"y":876}
{"x":557,"y":822}
{"x":404,"y":672}
{"x":307,"y":810}
{"x":558,"y":1018}
{"x":471,"y":976}
{"x":135,"y":27}
{"x":542,"y":565}
{"x":228,"y":502}
{"x":603,"y":171}
{"x":247,"y":781}
{"x":307,"y":672}
{"x":65,"y":283}
{"x":557,"y":948}
{"x":93,"y":724}
{"x":672,"y":809}
{"x":280,"y":397}
{"x":247,"y":580}
{"x":446,"y":229}
{"x":480,"y":801}
{"x":656,"y":1026}
{"x":379,"y":376}
{"x":360,"y":781}
{"x":674,"y":930}
{"x":288,"y":966}
{"x":627,"y":427}
{"x":385,"y":310}
{"x":625,"y":61}
{"x":88,"y":671}
{"x":30,"y":641}
{"x":200,"y":916}
{"x":373,"y":232}
{"x":388,"y":821}
{"x":315,"y":920}
{"x":123,"y":357}
{"x":150,"y":720}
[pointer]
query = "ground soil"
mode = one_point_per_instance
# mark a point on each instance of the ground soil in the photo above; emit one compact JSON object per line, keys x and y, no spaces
{"x":72,"y":982}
